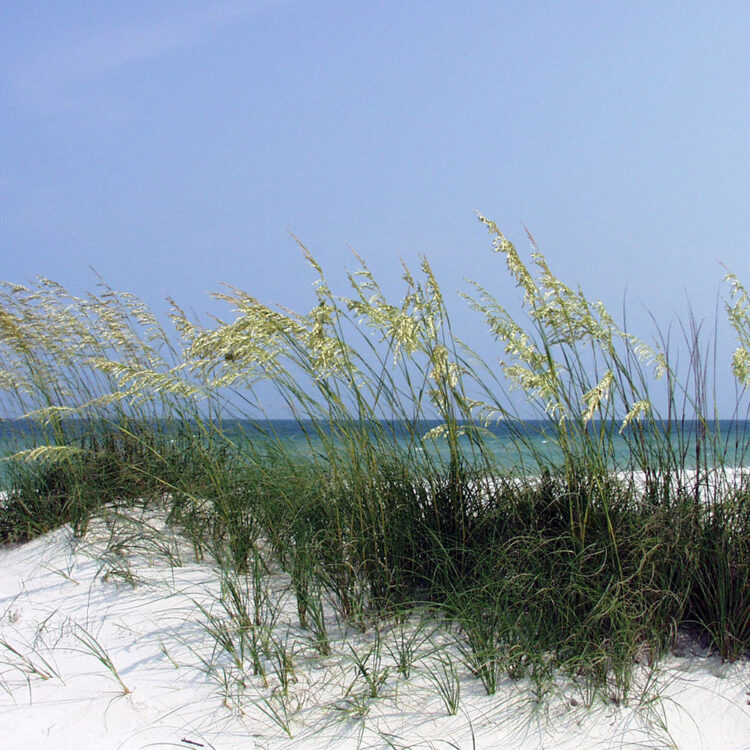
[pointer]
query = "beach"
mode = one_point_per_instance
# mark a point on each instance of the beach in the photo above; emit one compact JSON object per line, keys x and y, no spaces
{"x":103,"y":647}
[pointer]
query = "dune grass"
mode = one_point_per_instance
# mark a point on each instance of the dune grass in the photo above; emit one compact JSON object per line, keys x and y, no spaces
{"x":576,"y":562}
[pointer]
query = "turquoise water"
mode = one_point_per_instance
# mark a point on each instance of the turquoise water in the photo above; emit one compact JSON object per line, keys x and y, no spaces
{"x":519,"y":445}
{"x":523,"y":443}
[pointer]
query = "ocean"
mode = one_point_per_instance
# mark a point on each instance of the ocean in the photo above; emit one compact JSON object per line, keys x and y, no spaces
{"x":511,"y":446}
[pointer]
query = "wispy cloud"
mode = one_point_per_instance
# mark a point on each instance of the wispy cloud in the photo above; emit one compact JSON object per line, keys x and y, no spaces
{"x":51,"y":79}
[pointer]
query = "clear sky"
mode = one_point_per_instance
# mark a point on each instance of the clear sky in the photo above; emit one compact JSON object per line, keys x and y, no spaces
{"x":175,"y":145}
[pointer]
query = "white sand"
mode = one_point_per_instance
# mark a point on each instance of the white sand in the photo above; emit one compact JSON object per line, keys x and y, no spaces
{"x":56,"y":693}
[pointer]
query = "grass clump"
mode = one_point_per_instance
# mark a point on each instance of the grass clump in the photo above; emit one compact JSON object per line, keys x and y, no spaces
{"x":582,"y":556}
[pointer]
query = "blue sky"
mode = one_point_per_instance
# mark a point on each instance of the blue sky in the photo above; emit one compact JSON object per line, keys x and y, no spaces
{"x":174,"y":146}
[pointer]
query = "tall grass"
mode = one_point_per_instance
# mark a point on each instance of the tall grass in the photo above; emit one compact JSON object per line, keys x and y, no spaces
{"x":577,"y":561}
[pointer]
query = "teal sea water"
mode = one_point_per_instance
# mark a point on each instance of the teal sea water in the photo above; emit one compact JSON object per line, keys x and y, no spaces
{"x":519,"y":445}
{"x":524,"y":443}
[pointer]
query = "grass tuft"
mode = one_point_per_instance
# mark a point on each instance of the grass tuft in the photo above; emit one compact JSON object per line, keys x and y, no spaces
{"x":578,"y":543}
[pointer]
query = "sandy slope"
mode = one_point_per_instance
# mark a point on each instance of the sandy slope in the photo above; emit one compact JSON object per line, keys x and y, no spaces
{"x":61,"y":601}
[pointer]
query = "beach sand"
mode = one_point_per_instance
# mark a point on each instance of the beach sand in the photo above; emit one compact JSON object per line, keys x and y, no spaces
{"x":67,"y":606}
